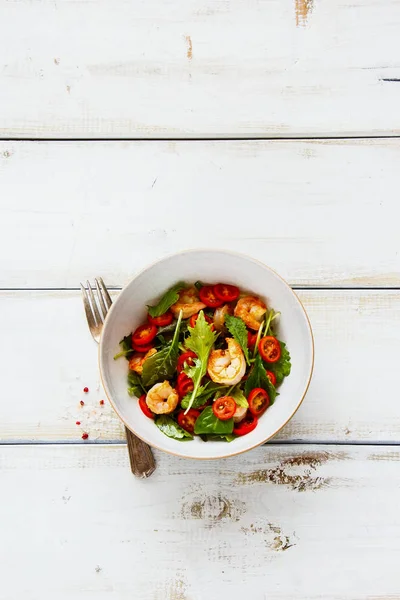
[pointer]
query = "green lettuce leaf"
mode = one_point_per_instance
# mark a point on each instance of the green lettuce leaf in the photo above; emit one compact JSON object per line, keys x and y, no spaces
{"x":200,"y":340}
{"x":135,"y":387}
{"x":282,"y":367}
{"x":170,"y":428}
{"x":207,"y":422}
{"x":239,"y":397}
{"x":126,"y":347}
{"x":162,"y":365}
{"x":204,"y":393}
{"x":170,"y":297}
{"x":258,"y":378}
{"x":237,"y":329}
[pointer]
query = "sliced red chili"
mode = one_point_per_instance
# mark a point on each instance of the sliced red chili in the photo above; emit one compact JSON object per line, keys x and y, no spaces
{"x":187,"y":421}
{"x":251,"y":339}
{"x":185,"y":358}
{"x":226,"y":293}
{"x":208,"y":297}
{"x":269,"y":348}
{"x":144,"y":335}
{"x":248,"y":424}
{"x":258,"y":401}
{"x":272,"y":377}
{"x":162,"y":320}
{"x":144,"y":407}
{"x":224,"y":408}
{"x":208,"y":319}
{"x":184,"y":385}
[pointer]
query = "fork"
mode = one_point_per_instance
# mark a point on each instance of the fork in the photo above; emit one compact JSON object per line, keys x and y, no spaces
{"x":140,"y":454}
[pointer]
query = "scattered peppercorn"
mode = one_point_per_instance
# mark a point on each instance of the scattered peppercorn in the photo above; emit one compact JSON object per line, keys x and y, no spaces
{"x":78,"y":423}
{"x":82,"y":403}
{"x":86,"y":389}
{"x":101,"y":402}
{"x":85,"y":436}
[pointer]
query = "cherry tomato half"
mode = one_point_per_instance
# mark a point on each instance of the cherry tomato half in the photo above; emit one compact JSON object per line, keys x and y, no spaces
{"x":248,"y":424}
{"x":144,"y":407}
{"x":258,"y":401}
{"x":144,"y":334}
{"x":208,"y":297}
{"x":187,"y":421}
{"x":269,"y":348}
{"x":251,"y":339}
{"x":272,"y":377}
{"x":224,"y":408}
{"x":184,"y":385}
{"x":162,"y":320}
{"x":186,"y":357}
{"x":208,"y":319}
{"x":142,"y":348}
{"x":226,"y":293}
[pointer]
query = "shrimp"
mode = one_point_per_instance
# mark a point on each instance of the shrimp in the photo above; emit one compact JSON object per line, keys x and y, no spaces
{"x":239,"y":414}
{"x":219,"y":316}
{"x":162,"y":398}
{"x":227,"y":366}
{"x":251,"y":310}
{"x":188,"y":303}
{"x":137,"y":360}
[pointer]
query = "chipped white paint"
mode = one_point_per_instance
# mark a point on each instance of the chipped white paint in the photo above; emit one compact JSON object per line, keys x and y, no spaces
{"x":279,"y":68}
{"x":352,"y":395}
{"x":198,"y":530}
{"x":320,"y":213}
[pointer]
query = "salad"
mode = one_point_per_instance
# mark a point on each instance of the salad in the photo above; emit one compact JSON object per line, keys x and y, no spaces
{"x":207,"y":362}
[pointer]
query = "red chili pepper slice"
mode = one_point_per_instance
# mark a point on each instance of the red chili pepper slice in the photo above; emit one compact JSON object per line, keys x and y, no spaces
{"x":226,"y":293}
{"x":208,"y":319}
{"x":208,"y":297}
{"x":184,"y":385}
{"x":258,"y":401}
{"x":185,"y":358}
{"x":162,"y":320}
{"x":144,"y":335}
{"x":187,"y":421}
{"x":224,"y":408}
{"x":272,"y":377}
{"x":251,"y":339}
{"x":269,"y":348}
{"x":144,"y":407}
{"x":248,"y":424}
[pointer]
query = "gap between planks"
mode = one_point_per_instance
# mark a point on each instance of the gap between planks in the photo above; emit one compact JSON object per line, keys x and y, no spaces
{"x":235,"y":138}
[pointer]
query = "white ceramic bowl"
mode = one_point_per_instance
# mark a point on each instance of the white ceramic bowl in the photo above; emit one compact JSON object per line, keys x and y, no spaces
{"x":211,"y":266}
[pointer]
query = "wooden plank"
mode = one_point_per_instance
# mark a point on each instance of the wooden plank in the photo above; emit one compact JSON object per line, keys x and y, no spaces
{"x":321,"y":213}
{"x":278,"y":522}
{"x":189,"y":68}
{"x":49,"y":357}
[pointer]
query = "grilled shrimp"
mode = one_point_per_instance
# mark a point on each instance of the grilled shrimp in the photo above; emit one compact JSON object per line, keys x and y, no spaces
{"x":188,"y":303}
{"x":162,"y":398}
{"x":239,"y":414}
{"x":137,"y":360}
{"x":219,"y":316}
{"x":251,"y":310}
{"x":227,"y":366}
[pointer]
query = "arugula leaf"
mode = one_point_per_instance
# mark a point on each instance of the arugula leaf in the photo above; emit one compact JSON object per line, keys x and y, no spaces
{"x":228,"y":437}
{"x":204,"y":393}
{"x":168,"y":426}
{"x":170,"y":297}
{"x":162,"y":365}
{"x":126,"y":347}
{"x":238,"y":329}
{"x":200,"y":340}
{"x":239,"y":397}
{"x":258,"y":378}
{"x":207,"y":422}
{"x":135,"y":387}
{"x":282,"y":367}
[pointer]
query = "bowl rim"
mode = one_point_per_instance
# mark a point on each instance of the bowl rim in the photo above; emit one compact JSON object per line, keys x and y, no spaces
{"x":194,"y":251}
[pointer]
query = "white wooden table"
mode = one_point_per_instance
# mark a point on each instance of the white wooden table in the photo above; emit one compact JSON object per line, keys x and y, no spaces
{"x":274,"y":126}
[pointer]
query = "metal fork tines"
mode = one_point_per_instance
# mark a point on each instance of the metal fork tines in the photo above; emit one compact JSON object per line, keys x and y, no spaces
{"x":97,"y":304}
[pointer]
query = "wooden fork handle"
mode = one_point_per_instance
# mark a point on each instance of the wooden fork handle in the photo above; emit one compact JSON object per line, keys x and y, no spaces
{"x":140,"y":456}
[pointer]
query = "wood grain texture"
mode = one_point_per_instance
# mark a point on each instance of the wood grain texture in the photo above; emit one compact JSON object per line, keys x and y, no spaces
{"x":51,"y":357}
{"x":321,"y":213}
{"x":188,"y":68}
{"x":278,"y":522}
